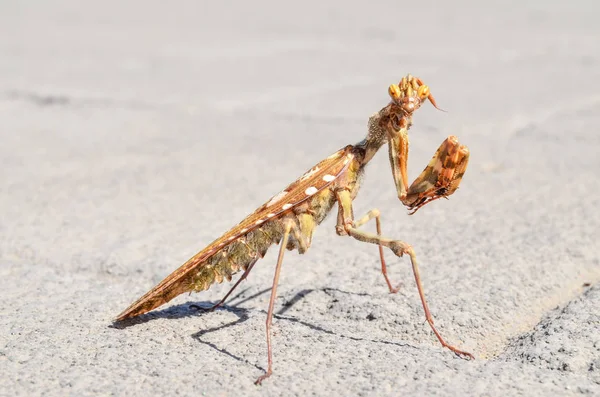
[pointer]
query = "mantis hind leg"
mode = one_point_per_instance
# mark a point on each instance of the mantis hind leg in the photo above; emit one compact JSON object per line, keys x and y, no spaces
{"x":220,"y":303}
{"x":301,"y":234}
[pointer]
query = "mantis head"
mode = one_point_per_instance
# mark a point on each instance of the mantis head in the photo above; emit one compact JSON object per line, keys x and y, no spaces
{"x":410,"y":93}
{"x":407,"y":96}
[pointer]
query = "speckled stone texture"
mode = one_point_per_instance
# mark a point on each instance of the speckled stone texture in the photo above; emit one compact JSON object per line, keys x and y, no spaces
{"x":134,"y":133}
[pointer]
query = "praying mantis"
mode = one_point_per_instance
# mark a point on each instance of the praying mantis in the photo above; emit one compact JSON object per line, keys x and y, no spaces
{"x":290,"y":217}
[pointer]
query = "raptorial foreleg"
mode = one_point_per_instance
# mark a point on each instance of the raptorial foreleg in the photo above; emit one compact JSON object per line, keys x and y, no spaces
{"x":442,"y":175}
{"x":440,"y":178}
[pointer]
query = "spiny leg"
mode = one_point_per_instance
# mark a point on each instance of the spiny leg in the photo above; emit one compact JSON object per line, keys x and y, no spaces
{"x":213,"y":307}
{"x":374,"y":213}
{"x":442,"y":175}
{"x":440,"y":178}
{"x":282,"y":247}
{"x":399,"y":248}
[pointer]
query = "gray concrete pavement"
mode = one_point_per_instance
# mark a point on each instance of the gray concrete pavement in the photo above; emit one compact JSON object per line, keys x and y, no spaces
{"x":133,"y":134}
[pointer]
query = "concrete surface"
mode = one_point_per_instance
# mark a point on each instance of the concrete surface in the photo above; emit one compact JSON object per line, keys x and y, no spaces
{"x":134,"y":133}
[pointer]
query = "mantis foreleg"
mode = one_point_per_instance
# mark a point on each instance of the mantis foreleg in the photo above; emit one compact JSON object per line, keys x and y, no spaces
{"x":439,"y":179}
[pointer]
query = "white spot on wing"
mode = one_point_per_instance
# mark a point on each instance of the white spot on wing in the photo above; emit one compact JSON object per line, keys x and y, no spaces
{"x":287,"y":206}
{"x":310,"y":191}
{"x":328,"y":178}
{"x":244,"y":230}
{"x":258,"y":222}
{"x":271,"y":215}
{"x":276,"y":198}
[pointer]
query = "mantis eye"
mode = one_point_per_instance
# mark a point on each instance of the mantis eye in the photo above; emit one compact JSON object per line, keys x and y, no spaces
{"x":394,"y":91}
{"x":423,"y":91}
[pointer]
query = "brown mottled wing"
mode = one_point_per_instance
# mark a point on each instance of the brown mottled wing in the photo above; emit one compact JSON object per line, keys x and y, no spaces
{"x":313,"y":181}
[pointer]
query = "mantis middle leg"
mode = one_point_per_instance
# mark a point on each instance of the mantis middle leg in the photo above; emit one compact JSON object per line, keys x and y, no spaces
{"x":397,"y":247}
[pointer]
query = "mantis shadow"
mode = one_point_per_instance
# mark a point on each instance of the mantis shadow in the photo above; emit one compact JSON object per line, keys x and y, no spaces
{"x":193,"y":309}
{"x":242,"y":314}
{"x":187,"y":309}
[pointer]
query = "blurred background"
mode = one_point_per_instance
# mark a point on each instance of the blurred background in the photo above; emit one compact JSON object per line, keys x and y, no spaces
{"x":134,"y":133}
